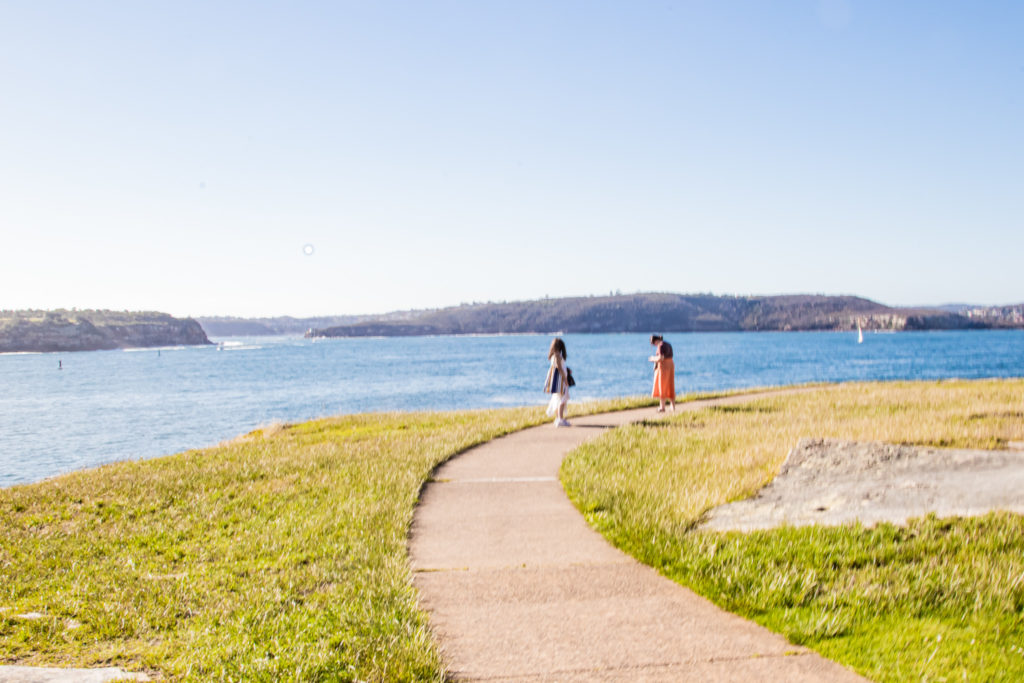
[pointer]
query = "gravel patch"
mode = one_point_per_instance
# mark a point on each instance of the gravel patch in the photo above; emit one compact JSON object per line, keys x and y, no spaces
{"x":38,"y":674}
{"x":833,"y":482}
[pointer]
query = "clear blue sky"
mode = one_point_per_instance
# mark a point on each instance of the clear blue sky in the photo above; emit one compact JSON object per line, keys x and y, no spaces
{"x":180,"y":155}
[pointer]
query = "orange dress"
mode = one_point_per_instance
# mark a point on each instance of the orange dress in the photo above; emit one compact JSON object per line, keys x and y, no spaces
{"x":664,"y":379}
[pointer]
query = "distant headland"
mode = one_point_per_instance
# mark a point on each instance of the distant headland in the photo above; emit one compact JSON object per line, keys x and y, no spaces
{"x":92,"y":330}
{"x":228,"y":326}
{"x":664,"y":312}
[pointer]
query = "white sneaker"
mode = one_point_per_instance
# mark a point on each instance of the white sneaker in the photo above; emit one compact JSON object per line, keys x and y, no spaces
{"x":563,"y":423}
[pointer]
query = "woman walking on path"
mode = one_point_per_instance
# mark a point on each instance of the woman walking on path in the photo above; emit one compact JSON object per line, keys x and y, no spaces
{"x":556,"y":383}
{"x":664,"y":372}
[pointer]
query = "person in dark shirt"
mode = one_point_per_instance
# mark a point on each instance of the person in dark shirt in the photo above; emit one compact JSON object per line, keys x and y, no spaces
{"x":664,"y":372}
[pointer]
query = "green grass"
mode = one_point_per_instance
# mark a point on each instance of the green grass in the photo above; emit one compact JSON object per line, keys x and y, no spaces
{"x":281,"y":555}
{"x":278,"y":556}
{"x":935,"y":600}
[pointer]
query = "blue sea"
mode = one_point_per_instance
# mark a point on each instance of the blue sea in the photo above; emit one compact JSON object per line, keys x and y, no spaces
{"x":65,"y":411}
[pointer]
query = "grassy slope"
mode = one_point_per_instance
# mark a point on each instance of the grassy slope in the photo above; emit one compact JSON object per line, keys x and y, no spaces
{"x":937,"y":600}
{"x":279,"y":556}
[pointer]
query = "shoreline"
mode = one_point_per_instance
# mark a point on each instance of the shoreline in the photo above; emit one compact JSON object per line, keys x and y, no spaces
{"x":221,"y":339}
{"x":108,"y":407}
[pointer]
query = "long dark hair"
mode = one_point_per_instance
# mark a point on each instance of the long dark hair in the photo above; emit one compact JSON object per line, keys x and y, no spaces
{"x":558,"y":346}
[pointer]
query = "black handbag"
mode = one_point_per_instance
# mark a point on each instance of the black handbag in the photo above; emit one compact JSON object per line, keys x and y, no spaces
{"x":569,"y":378}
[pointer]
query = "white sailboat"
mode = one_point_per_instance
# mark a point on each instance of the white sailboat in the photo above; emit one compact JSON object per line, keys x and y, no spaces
{"x":860,"y":333}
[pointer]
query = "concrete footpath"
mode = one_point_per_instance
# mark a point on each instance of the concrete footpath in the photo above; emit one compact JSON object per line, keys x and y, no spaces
{"x":519,"y":588}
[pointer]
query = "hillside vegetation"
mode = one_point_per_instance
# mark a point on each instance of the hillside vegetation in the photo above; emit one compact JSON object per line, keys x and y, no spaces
{"x":227,"y":326}
{"x":92,"y":330}
{"x":660,"y":312}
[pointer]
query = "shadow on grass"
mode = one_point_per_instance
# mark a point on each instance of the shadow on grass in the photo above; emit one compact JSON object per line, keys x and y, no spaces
{"x":654,"y":424}
{"x":745,"y":408}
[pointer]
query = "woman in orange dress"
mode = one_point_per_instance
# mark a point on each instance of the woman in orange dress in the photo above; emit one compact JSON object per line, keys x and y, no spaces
{"x":664,"y":372}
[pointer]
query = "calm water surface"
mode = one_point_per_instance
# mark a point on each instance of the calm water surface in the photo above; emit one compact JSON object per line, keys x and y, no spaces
{"x":115,"y":405}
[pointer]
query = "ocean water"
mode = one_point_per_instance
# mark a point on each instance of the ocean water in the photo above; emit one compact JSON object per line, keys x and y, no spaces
{"x":103,"y":406}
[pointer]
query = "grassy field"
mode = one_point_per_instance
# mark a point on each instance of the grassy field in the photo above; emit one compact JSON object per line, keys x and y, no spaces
{"x":278,"y":556}
{"x":935,"y":600}
{"x":281,"y":555}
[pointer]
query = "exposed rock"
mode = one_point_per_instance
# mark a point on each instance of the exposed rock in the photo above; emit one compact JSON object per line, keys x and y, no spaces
{"x":41,"y":674}
{"x":94,"y":330}
{"x":835,"y":482}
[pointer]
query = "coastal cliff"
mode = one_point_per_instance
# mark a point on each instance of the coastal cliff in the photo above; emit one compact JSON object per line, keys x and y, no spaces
{"x":90,"y":330}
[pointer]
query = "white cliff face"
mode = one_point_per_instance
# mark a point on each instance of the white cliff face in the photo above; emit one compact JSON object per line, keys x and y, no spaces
{"x":95,"y":330}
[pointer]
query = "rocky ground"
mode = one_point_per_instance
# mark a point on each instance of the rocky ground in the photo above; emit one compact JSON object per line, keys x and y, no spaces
{"x":47,"y":331}
{"x":834,"y":482}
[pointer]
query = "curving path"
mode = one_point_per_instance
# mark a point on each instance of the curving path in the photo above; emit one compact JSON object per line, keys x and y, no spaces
{"x":519,"y":588}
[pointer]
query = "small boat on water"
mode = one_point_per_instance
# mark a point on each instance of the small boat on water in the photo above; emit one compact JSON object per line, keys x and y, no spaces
{"x":860,"y":333}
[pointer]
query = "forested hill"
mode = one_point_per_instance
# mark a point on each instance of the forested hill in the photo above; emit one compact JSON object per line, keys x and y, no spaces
{"x":90,"y":330}
{"x":659,"y":313}
{"x":226,"y":326}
